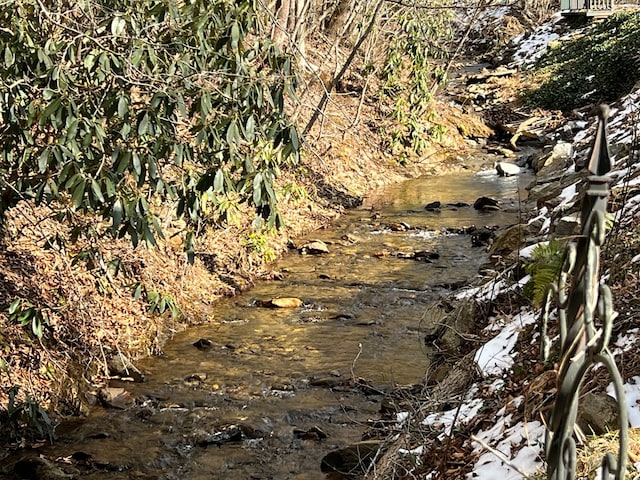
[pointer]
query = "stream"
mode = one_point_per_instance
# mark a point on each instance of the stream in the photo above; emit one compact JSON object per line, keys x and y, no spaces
{"x":270,"y":391}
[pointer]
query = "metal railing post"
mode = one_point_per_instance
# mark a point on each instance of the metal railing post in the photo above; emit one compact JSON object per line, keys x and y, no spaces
{"x":585,"y":316}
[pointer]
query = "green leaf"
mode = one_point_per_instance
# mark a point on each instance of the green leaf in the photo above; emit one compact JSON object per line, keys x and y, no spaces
{"x":43,"y":160}
{"x":218,"y":182}
{"x":9,"y":57}
{"x":143,"y":126}
{"x":250,"y":128}
{"x":123,"y":107}
{"x":233,"y":135}
{"x":257,"y":190}
{"x":78,"y":194}
{"x":235,"y":36}
{"x":97,"y":191}
{"x":137,"y":166}
{"x":49,"y":110}
{"x":14,"y":306}
{"x":117,"y":214}
{"x":117,"y":26}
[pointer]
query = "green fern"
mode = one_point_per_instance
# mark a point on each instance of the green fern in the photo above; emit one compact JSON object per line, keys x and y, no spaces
{"x":544,"y":268}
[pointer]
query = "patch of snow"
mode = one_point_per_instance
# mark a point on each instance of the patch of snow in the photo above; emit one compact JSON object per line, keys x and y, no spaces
{"x":530,"y":49}
{"x":519,"y":448}
{"x":456,"y":416}
{"x":526,"y":251}
{"x":496,"y":355}
{"x":568,"y":194}
{"x":401,"y":417}
{"x":414,"y":451}
{"x":625,"y":342}
{"x":632,"y":394}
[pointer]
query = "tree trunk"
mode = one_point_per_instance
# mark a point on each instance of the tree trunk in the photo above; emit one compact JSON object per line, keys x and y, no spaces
{"x":337,"y":19}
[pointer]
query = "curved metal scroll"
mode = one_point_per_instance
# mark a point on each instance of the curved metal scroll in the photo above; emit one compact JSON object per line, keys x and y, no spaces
{"x":585,"y":317}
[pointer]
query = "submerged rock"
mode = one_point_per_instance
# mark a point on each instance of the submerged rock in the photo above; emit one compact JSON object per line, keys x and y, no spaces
{"x":486,"y":203}
{"x":282,"y":302}
{"x":202,"y":344}
{"x":314,"y":433}
{"x":433,"y":206}
{"x":111,"y":397}
{"x":227,"y":434}
{"x":352,"y":460}
{"x":316,"y":247}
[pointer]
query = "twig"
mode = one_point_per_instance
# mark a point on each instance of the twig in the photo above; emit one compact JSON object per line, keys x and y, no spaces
{"x":500,"y":455}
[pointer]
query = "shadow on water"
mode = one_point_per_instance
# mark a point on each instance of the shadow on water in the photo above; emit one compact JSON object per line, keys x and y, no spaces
{"x":271,"y":391}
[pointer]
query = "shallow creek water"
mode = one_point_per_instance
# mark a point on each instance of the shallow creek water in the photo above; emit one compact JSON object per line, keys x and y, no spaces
{"x":361,"y":317}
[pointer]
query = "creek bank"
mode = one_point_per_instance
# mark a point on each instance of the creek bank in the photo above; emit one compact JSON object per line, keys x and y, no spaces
{"x":506,"y":390}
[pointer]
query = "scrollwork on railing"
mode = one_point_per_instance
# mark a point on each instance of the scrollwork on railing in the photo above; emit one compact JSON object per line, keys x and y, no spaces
{"x":585,"y":316}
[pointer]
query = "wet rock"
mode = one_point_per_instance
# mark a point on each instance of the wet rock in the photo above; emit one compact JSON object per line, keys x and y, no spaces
{"x":324,"y":276}
{"x":597,"y":414}
{"x":316,"y":247}
{"x":350,"y":238}
{"x":195,"y":379}
{"x":425,"y":256}
{"x":283,"y":302}
{"x":486,"y":204}
{"x":509,"y":240}
{"x":433,"y":206}
{"x":481,"y":237}
{"x":567,"y":225}
{"x":367,"y":323}
{"x":226,"y":434}
{"x":328,"y":382}
{"x":352,"y":460}
{"x":38,"y":468}
{"x":460,"y":323}
{"x":120,"y":366}
{"x":506,"y":169}
{"x":546,"y":192}
{"x":314,"y":433}
{"x":399,"y":227}
{"x":557,"y":159}
{"x":111,"y":397}
{"x":342,"y":316}
{"x":203,"y":344}
{"x":458,"y":205}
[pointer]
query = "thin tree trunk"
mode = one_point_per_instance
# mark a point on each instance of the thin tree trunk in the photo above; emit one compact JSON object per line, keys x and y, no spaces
{"x":325,"y":97}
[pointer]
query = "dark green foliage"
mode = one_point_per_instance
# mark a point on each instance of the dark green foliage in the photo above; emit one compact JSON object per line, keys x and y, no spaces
{"x":601,"y":65}
{"x":27,"y":314}
{"x":123,"y":108}
{"x":23,"y":420}
{"x":544,"y":268}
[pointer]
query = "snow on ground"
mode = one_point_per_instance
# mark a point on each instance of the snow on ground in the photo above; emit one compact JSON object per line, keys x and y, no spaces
{"x":533,"y":45}
{"x":632,"y":397}
{"x":496,"y":356}
{"x":511,"y":452}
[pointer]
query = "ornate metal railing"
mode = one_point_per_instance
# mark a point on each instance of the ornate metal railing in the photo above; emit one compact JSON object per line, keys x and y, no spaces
{"x":585,"y":317}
